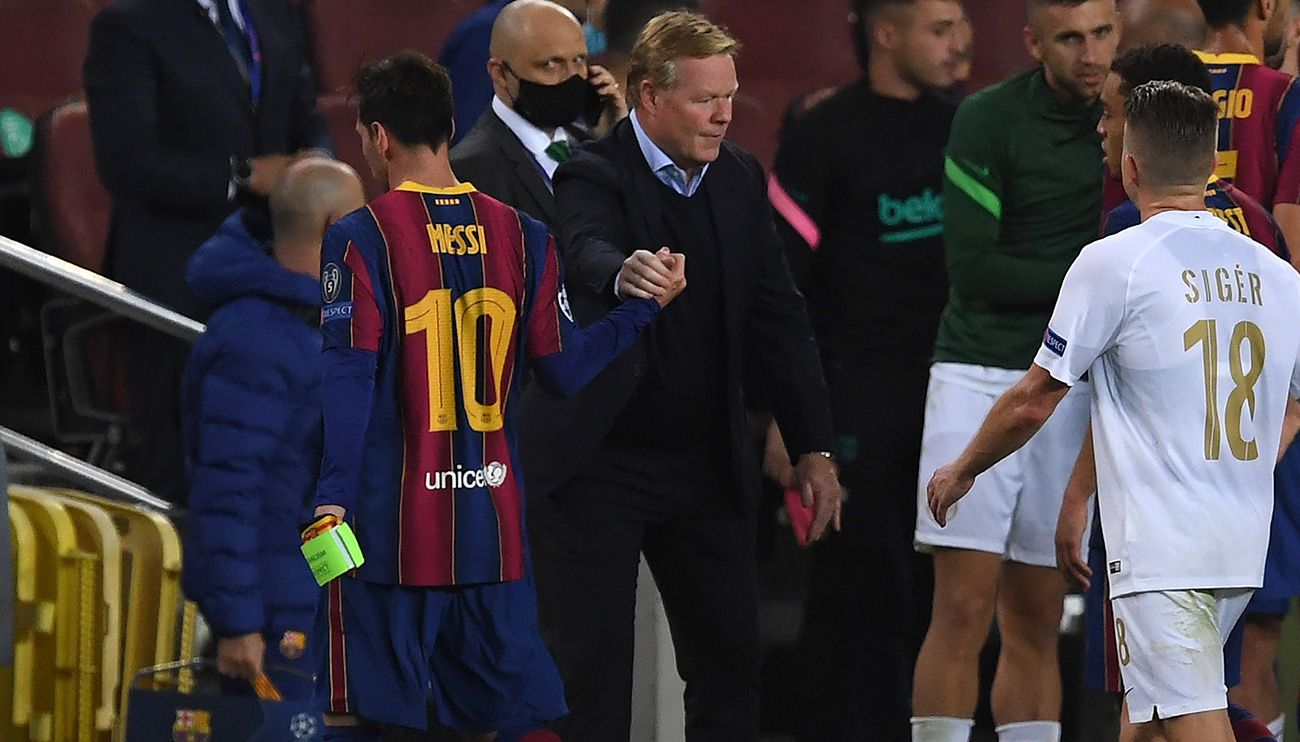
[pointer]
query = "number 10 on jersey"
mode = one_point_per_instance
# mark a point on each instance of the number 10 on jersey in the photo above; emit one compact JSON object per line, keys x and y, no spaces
{"x":446,"y":325}
{"x":1205,"y":334}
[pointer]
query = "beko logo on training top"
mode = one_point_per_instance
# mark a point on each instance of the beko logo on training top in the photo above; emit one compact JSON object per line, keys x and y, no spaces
{"x":492,"y":475}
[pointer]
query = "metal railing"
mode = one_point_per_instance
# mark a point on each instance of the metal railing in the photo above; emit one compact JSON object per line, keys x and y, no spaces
{"x":60,"y":274}
{"x":113,"y":296}
{"x":92,"y":478}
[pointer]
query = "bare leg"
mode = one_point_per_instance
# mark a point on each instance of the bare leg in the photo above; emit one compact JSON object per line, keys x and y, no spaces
{"x":946,"y":679}
{"x":1027,"y":686}
{"x":1207,"y":726}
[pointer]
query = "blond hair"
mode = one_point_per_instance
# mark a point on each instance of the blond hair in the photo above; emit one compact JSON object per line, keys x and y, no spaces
{"x":668,"y":39}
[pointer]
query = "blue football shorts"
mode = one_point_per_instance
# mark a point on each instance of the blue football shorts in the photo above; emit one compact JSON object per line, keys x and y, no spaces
{"x":388,"y":653}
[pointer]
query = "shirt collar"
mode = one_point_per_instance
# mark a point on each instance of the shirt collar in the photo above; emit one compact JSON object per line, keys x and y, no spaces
{"x":236,"y":11}
{"x":663,"y":166}
{"x":533,"y":138}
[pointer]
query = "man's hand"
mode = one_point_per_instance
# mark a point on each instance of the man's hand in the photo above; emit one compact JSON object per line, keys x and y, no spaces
{"x":612,"y":96}
{"x":646,"y":275}
{"x":266,"y":172}
{"x":1070,"y":527}
{"x":676,"y":262}
{"x":819,"y":482}
{"x":948,"y":485}
{"x":333,"y":510}
{"x":241,"y":656}
{"x":776,"y":459}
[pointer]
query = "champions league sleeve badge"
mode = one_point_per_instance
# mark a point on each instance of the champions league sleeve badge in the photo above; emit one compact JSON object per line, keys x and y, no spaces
{"x":331,"y":282}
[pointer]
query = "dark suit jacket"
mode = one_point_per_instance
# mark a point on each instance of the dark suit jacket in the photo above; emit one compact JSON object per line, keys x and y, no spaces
{"x":609,"y":206}
{"x":493,"y":159}
{"x":168,"y":108}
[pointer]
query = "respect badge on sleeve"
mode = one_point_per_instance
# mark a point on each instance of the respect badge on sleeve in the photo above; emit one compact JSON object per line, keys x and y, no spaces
{"x":333,"y":553}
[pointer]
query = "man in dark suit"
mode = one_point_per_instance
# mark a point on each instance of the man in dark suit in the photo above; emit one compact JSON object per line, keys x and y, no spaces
{"x":657,"y":458}
{"x":543,"y":92}
{"x":196,"y":106}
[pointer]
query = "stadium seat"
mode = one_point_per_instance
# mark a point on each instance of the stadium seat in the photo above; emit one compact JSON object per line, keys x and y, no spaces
{"x":151,"y":550}
{"x":16,"y":686}
{"x":341,"y":117}
{"x":102,"y":617}
{"x":76,"y":203}
{"x":346,"y":34}
{"x":62,"y":568}
{"x":815,"y":48}
{"x":44,"y":43}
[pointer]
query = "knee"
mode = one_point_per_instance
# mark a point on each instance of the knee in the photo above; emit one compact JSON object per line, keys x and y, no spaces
{"x":963,"y":615}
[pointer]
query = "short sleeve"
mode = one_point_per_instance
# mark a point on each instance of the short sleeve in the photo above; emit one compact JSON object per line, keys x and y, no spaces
{"x":1288,"y":147}
{"x":349,"y":311}
{"x":551,"y":317}
{"x":1087,"y":317}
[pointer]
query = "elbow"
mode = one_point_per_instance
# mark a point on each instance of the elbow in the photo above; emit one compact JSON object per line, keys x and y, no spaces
{"x":1031,"y":414}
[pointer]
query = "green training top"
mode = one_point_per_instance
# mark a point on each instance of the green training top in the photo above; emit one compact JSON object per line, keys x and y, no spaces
{"x":1022,"y":196}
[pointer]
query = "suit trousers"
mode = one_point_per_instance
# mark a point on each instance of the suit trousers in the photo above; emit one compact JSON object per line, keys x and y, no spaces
{"x":869,"y":592}
{"x":680,"y":511}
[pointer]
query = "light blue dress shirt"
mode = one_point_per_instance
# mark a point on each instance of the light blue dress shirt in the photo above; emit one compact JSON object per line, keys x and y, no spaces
{"x":684,"y":183}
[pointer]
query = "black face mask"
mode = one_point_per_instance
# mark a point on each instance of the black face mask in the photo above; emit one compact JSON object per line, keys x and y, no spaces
{"x":553,"y":106}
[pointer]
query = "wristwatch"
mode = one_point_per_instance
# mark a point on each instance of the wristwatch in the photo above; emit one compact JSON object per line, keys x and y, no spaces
{"x":241,"y":171}
{"x":824,"y":454}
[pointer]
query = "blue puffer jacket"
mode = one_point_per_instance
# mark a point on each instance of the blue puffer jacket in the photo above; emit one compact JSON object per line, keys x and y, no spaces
{"x":251,"y":421}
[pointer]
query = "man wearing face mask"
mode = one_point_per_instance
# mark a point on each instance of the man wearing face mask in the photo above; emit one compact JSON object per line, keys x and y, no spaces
{"x":467,"y":47}
{"x":547,"y":100}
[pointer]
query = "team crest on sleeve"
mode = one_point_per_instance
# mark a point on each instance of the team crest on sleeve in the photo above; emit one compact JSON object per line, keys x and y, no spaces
{"x":1054,"y":342}
{"x":331,"y":282}
{"x":562,"y":298}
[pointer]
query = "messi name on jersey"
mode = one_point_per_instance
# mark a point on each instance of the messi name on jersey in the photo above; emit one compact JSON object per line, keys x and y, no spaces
{"x":457,"y":239}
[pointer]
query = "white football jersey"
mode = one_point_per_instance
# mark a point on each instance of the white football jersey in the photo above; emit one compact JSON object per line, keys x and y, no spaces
{"x":1189,"y":334}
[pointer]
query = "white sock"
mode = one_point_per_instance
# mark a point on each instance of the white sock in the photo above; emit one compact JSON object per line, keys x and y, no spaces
{"x":1030,"y":731}
{"x":941,"y":729}
{"x":1277,"y":725}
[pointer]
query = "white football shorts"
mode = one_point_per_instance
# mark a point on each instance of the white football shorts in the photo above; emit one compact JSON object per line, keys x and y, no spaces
{"x":1013,"y":507}
{"x":1170,"y":649}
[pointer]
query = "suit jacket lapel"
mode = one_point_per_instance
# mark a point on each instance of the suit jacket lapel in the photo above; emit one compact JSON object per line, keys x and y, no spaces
{"x":526,"y":167}
{"x":728,"y":229}
{"x":645,"y":186}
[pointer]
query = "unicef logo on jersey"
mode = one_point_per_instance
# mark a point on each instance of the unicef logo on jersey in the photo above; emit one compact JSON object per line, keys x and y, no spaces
{"x":492,"y":475}
{"x":331,"y":281}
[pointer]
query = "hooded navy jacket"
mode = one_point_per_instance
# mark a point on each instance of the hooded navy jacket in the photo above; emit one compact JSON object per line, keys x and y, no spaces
{"x":251,"y":422}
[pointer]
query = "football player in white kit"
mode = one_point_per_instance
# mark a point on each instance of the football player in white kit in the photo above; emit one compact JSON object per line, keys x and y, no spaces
{"x":1186,"y":329}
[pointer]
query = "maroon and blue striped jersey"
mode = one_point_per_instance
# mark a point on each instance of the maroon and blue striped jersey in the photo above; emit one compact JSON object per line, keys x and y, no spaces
{"x":434,"y":300}
{"x":1259,"y":113}
{"x":1229,"y":203}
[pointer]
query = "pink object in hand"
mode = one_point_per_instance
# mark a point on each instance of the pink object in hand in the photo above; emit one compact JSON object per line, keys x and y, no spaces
{"x":801,"y":516}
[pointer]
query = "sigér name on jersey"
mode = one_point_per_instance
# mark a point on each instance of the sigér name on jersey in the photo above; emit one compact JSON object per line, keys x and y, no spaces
{"x":491,"y":475}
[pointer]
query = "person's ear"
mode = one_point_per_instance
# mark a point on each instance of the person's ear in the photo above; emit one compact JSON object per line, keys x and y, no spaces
{"x":1032,"y":44}
{"x":1264,"y":9}
{"x":647,"y":96}
{"x":382,"y":143}
{"x":1132,"y":173}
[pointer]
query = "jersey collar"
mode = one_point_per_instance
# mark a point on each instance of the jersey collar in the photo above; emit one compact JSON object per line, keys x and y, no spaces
{"x":456,"y":190}
{"x":1228,"y":58}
